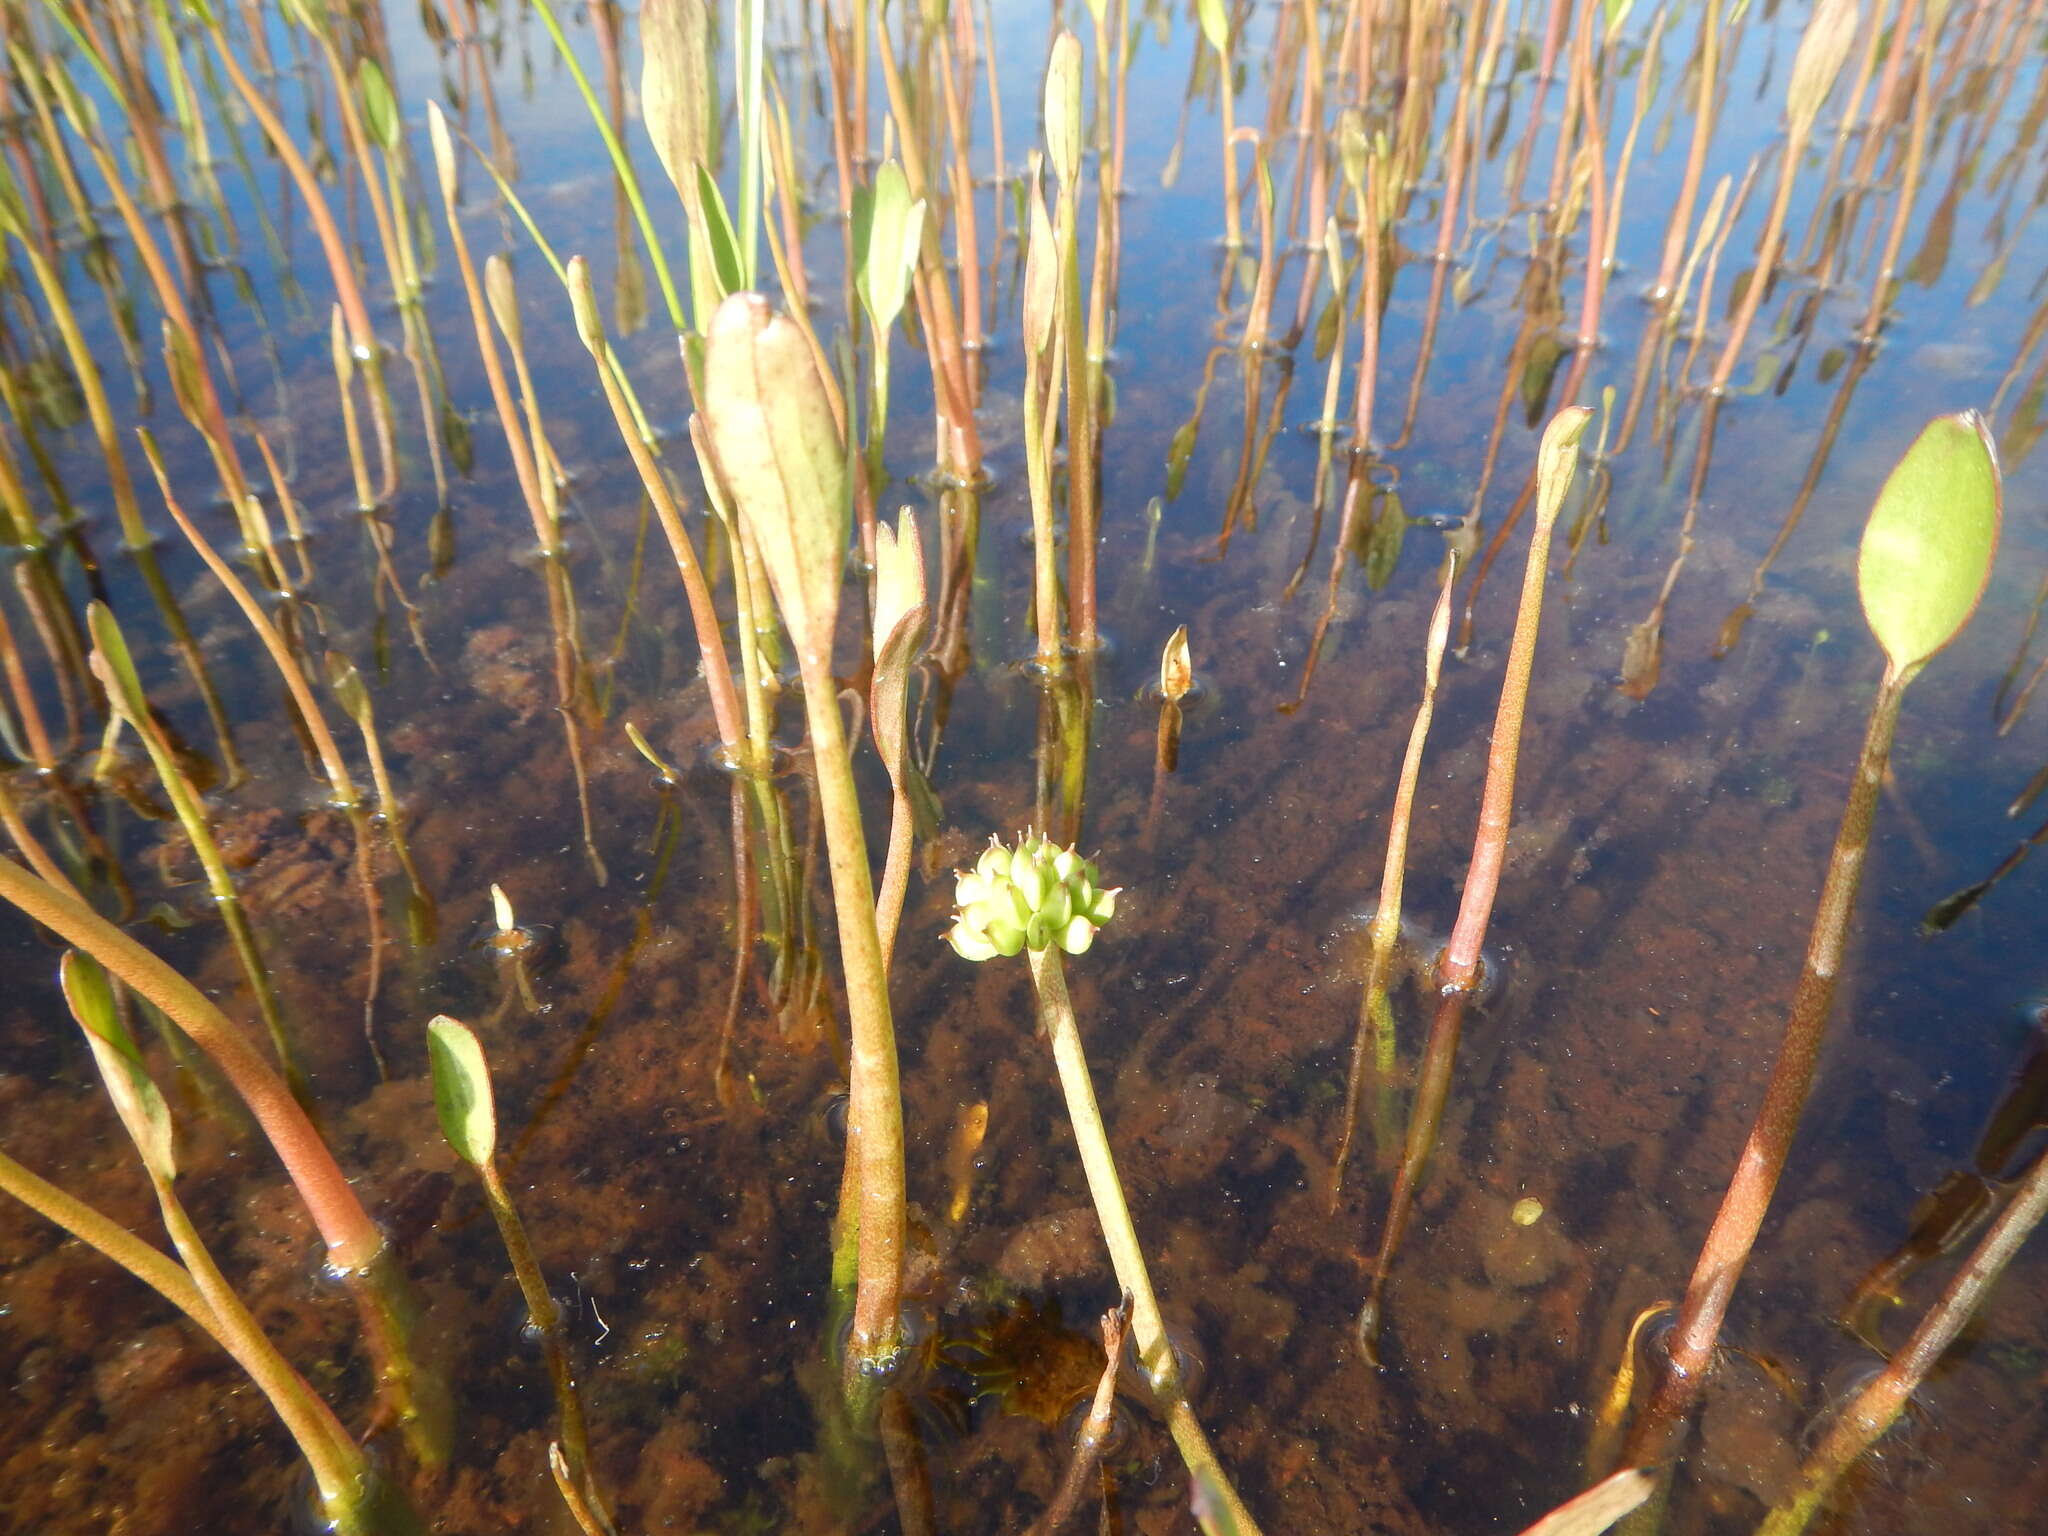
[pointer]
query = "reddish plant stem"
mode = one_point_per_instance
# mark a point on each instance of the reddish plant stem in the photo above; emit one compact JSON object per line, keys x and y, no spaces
{"x":1726,"y":1249}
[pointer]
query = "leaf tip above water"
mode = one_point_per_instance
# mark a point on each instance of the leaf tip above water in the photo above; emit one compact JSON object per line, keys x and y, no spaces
{"x":1928,"y":546}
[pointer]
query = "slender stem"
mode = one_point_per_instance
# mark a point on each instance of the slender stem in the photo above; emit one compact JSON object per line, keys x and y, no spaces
{"x":874,"y":1136}
{"x":353,"y":1240}
{"x":1748,"y":1197}
{"x":1880,"y":1403}
{"x":1375,"y":1017}
{"x":621,"y":164}
{"x":1458,"y":968}
{"x":547,"y":1321}
{"x":147,"y":1264}
{"x":725,"y":702}
{"x":340,"y":1471}
{"x":1216,"y":1503}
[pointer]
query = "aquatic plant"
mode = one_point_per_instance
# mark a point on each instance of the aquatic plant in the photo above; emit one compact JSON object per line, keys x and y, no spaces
{"x":1373,"y":1048}
{"x":1458,"y":968}
{"x":901,"y":618}
{"x":1923,"y":565}
{"x":1044,"y":901}
{"x":469,"y":1119}
{"x":1878,"y":1406}
{"x":354,"y":1499}
{"x":776,"y":450}
{"x":356,"y":1249}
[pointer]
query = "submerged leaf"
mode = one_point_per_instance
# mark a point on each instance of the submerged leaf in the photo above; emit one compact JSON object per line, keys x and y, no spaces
{"x":1383,"y":542}
{"x":1642,"y":657}
{"x":1176,"y":666}
{"x":1927,"y":548}
{"x":1539,"y":369}
{"x":462,"y":1090}
{"x":1178,"y":452}
{"x":1943,"y":914}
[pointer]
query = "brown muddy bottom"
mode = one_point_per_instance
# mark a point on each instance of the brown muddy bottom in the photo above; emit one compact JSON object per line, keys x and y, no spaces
{"x":678,"y":1166}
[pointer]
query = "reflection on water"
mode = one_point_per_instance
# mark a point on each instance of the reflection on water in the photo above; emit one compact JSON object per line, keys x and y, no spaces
{"x":667,"y":1033}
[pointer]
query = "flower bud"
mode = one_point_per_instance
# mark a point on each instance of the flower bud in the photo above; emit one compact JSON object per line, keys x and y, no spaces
{"x":1034,"y":896}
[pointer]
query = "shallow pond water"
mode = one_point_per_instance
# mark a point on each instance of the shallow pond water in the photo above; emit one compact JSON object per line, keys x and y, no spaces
{"x":676,"y":1156}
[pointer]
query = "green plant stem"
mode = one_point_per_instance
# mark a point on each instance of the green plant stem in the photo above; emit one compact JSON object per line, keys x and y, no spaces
{"x":1084,"y":445}
{"x":1375,"y":1014}
{"x":621,"y":164}
{"x":116,"y":676}
{"x":1038,"y":448}
{"x":1880,"y":1403}
{"x":86,"y":370}
{"x":340,"y":1472}
{"x":1458,"y":968}
{"x":725,"y":703}
{"x":361,"y":334}
{"x":332,"y":764}
{"x":547,"y":1321}
{"x":1748,"y":1197}
{"x":874,"y":1134}
{"x":147,"y":1264}
{"x":1216,"y":1503}
{"x":356,"y":1249}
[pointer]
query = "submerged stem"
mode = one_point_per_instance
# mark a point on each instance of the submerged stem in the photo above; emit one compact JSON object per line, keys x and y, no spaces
{"x":1216,"y":1503}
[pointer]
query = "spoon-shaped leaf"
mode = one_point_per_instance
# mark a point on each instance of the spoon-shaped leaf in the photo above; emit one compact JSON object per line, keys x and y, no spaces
{"x":776,"y":447}
{"x":1041,"y":270}
{"x":901,"y":615}
{"x":462,"y":1090}
{"x":1063,"y":108}
{"x":1928,"y":545}
{"x":675,"y":87}
{"x":888,"y":226}
{"x":380,"y":107}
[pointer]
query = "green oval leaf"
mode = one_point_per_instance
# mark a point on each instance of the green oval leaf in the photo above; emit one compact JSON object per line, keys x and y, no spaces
{"x":1063,"y":108}
{"x":380,"y":107}
{"x":888,"y":226}
{"x":462,"y":1090}
{"x":776,"y":447}
{"x":91,"y":997}
{"x":118,"y":674}
{"x":1041,"y":273}
{"x":718,"y":233}
{"x":1928,"y":546}
{"x":676,"y":85}
{"x":346,"y":684}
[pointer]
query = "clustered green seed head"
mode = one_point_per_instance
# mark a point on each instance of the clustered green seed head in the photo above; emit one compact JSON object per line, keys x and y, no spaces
{"x":1031,"y":897}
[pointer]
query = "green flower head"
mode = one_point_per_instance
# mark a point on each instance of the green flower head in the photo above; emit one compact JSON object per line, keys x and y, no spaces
{"x":1032,"y":896}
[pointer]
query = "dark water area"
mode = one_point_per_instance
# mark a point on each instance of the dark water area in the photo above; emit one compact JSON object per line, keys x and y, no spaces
{"x":676,"y":1156}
